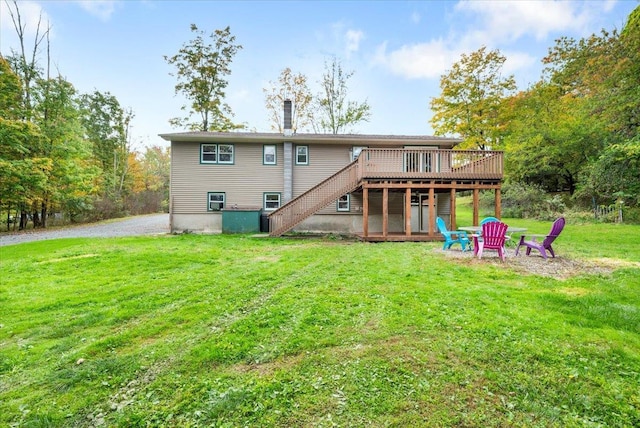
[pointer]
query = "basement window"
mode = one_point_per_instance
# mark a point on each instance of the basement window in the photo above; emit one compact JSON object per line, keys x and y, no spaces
{"x":343,"y":203}
{"x":271,"y":201}
{"x":215,"y":201}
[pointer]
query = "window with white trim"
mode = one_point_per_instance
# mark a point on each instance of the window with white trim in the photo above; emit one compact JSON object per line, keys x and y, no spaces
{"x":343,"y":203}
{"x":302,"y":155}
{"x":215,"y":201}
{"x":225,"y":153}
{"x":216,"y":153}
{"x":271,"y":201}
{"x":269,"y":154}
{"x":356,"y":150}
{"x":208,"y":153}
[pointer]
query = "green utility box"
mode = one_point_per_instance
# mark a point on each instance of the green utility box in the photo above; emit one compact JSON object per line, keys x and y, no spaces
{"x":241,"y":220}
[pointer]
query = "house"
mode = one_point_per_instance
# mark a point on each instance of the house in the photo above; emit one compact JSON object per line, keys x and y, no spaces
{"x":378,"y":187}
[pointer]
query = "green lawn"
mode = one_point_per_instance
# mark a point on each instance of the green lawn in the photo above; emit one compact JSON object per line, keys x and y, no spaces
{"x":241,"y":331}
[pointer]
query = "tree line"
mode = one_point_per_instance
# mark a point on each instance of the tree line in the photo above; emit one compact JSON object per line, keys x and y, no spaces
{"x":65,"y":154}
{"x":575,"y":131}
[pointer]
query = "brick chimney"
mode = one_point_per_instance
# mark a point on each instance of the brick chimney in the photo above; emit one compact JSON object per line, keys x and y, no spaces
{"x":287,"y":118}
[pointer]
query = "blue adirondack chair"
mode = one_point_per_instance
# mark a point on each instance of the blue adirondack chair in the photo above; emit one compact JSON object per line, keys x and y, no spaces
{"x":487,"y":220}
{"x":453,"y":236}
{"x":545,"y":244}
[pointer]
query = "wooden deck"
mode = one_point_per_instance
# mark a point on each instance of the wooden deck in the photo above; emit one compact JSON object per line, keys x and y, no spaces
{"x":399,"y":170}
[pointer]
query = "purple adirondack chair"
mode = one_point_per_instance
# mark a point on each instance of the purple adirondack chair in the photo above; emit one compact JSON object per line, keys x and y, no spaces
{"x":545,"y":245}
{"x":493,"y":238}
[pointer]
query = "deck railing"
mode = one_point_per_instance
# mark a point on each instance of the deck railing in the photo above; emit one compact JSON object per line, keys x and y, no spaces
{"x":432,"y":163}
{"x":392,"y":164}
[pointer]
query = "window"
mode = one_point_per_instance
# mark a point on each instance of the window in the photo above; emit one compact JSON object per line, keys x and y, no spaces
{"x":355,"y":152}
{"x":271,"y":201}
{"x":302,"y":155}
{"x":269,"y":155}
{"x":208,"y":153}
{"x":343,"y":203}
{"x":225,"y":153}
{"x":216,"y":201}
{"x":216,"y":153}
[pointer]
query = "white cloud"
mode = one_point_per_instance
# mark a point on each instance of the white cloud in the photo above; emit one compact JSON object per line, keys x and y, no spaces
{"x":102,"y":9}
{"x":419,"y":61}
{"x":501,"y":21}
{"x":353,"y":39}
{"x":495,"y":24}
{"x":416,"y":17}
{"x":343,"y":39}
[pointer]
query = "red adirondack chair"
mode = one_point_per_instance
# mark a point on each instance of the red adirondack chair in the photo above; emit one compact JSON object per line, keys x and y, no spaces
{"x":494,"y":235}
{"x":545,"y":245}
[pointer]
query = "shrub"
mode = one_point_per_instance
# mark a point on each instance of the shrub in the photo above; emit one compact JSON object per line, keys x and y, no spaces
{"x":521,"y":200}
{"x":631,"y":215}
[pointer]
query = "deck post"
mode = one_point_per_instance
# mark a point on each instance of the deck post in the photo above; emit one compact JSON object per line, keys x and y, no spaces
{"x":365,"y":212}
{"x":432,"y":210}
{"x":498,"y":203}
{"x":452,"y":207}
{"x":476,"y":205}
{"x":407,"y":211}
{"x":385,"y":211}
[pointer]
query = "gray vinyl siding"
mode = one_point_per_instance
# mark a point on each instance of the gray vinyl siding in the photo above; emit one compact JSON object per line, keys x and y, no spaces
{"x":244,"y":182}
{"x":324,"y":161}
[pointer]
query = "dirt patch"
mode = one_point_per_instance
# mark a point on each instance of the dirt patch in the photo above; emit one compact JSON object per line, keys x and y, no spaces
{"x":64,"y":259}
{"x":558,"y":267}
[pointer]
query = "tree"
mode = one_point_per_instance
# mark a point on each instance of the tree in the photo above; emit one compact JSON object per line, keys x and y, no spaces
{"x":615,"y":174}
{"x":292,"y":87}
{"x":150,"y":171}
{"x":56,"y":149}
{"x":71,"y":183}
{"x":23,"y":174}
{"x":10,"y":92}
{"x":156,"y":169}
{"x":605,"y":68}
{"x":24,"y":64}
{"x":201,"y":70}
{"x":601,"y":75}
{"x":471,"y":103}
{"x":335,"y":114}
{"x":107,"y":124}
{"x":550,"y":138}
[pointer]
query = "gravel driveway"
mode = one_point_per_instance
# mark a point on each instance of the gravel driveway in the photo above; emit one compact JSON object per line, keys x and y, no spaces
{"x":152,"y":224}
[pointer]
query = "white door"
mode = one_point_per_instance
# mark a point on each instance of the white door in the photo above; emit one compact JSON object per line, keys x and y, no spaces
{"x":420,"y":212}
{"x":421,"y":161}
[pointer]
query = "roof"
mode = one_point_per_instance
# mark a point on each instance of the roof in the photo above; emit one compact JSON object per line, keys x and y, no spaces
{"x":272,"y":137}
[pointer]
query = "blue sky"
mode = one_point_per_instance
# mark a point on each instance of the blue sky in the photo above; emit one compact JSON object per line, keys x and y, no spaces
{"x":397,"y":49}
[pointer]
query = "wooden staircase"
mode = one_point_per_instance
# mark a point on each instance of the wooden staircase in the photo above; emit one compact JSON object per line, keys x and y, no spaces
{"x":308,"y":203}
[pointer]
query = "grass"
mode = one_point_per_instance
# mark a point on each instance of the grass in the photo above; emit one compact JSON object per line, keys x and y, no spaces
{"x":241,"y":331}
